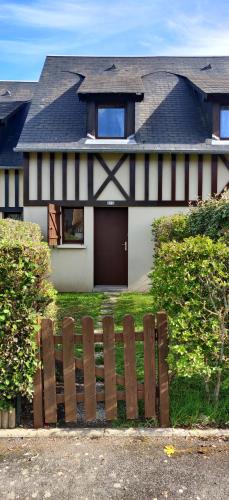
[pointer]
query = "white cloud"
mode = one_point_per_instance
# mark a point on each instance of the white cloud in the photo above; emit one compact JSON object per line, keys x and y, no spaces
{"x":17,"y":48}
{"x":118,"y":26}
{"x":92,"y":16}
{"x":192,"y":36}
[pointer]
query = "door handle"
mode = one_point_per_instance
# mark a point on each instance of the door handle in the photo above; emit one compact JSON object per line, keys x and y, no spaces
{"x":125,"y":245}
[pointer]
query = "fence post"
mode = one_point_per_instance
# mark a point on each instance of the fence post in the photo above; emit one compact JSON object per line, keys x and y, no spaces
{"x":109,"y":368}
{"x":89,"y":368}
{"x":149,"y":366}
{"x":48,"y":352}
{"x":130,"y":368}
{"x":38,"y":410}
{"x":69,"y":370}
{"x":162,"y":330}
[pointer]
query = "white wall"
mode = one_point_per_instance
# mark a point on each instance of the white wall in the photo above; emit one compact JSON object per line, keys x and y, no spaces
{"x":140,"y":248}
{"x":73,"y":267}
{"x":38,"y":215}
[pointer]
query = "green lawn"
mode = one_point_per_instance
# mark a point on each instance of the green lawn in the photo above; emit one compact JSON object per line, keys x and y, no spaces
{"x":77,"y":305}
{"x":188,"y":405}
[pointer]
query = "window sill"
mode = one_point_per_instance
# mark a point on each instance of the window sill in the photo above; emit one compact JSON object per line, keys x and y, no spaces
{"x":72,"y":246}
{"x":110,"y":141}
{"x":223,"y":142}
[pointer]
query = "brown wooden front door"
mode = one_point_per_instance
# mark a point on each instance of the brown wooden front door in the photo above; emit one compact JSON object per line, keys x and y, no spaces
{"x":111,"y":246}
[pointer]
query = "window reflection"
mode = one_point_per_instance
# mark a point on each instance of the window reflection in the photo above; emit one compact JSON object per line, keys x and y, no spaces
{"x":111,"y":122}
{"x":224,"y":123}
{"x":73,"y":225}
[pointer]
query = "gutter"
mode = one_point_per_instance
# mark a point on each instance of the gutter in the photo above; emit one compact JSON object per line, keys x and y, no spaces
{"x":143,"y":148}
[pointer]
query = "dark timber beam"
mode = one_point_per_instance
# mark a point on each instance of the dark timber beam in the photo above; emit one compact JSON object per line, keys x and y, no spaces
{"x":16,"y":188}
{"x":39,"y":176}
{"x":224,"y":160}
{"x":146,"y":177}
{"x":77,"y":176}
{"x":214,"y":174}
{"x":52,"y":162}
{"x":124,"y":203}
{"x":186,"y":177}
{"x":6,"y":188}
{"x":173,"y":178}
{"x":64,"y":176}
{"x":26,"y":179}
{"x":111,"y":176}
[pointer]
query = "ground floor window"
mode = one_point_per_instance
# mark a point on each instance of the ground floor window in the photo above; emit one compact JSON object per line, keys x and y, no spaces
{"x":13,"y":215}
{"x":73,"y":225}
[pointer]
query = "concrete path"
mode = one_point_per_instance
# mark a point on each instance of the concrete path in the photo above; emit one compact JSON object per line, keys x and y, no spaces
{"x":107,"y":307}
{"x":103,"y":466}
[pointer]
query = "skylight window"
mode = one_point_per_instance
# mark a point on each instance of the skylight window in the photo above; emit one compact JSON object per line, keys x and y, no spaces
{"x":224,"y":123}
{"x":111,"y":122}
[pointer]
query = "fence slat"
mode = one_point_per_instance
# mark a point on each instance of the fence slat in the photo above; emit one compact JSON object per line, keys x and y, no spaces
{"x":162,"y":328}
{"x":38,"y":417}
{"x":49,"y":371}
{"x":149,"y":366}
{"x":69,"y":370}
{"x":130,"y":367}
{"x":89,"y":368}
{"x":109,"y":368}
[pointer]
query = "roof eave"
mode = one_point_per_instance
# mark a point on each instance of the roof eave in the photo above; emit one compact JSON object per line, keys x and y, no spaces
{"x":91,"y":96}
{"x":136,"y":148}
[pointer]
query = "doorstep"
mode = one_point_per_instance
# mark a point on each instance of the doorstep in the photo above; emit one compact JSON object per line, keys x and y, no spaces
{"x":110,"y":288}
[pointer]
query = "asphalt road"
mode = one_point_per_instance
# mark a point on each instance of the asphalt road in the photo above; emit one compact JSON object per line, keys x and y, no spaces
{"x":113,"y":468}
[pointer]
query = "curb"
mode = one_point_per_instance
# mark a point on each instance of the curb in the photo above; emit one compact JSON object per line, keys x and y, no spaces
{"x":99,"y":433}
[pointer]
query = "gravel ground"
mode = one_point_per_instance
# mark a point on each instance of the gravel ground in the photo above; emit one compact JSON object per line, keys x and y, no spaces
{"x":110,"y":467}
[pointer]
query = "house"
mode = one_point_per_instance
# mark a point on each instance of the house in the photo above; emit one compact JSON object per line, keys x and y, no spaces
{"x":109,"y":144}
{"x":15,"y":98}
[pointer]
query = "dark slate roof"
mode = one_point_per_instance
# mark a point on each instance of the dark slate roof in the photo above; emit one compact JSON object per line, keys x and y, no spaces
{"x":15,"y":99}
{"x":112,"y":81}
{"x":171,"y":117}
{"x":7,"y":109}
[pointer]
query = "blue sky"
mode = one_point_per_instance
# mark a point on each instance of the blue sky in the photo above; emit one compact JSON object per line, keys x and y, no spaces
{"x":30,"y":30}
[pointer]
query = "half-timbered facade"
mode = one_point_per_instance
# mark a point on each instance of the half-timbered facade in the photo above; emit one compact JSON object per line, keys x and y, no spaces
{"x":109,"y":144}
{"x":15,"y":98}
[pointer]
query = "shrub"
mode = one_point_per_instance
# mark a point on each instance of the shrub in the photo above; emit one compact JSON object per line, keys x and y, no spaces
{"x":190,"y":281}
{"x":25,"y":294}
{"x":13,"y":230}
{"x":170,"y":228}
{"x":209,"y":218}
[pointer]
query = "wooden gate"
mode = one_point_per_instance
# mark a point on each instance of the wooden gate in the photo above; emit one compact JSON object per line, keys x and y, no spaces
{"x":153,"y":390}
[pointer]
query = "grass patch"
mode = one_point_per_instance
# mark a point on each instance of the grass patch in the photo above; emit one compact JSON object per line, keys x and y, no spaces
{"x":189,"y":405}
{"x":77,"y":305}
{"x":137,"y":304}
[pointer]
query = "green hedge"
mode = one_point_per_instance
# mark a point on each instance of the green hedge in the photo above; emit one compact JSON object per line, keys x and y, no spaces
{"x":25,"y":294}
{"x":209,"y":218}
{"x":190,"y":281}
{"x":13,"y":230}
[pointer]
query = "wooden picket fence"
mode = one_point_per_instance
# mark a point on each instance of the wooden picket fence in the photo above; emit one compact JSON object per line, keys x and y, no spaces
{"x":48,"y":394}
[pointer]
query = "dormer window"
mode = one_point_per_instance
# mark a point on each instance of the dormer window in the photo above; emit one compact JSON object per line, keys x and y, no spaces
{"x":111,"y":121}
{"x":224,"y":122}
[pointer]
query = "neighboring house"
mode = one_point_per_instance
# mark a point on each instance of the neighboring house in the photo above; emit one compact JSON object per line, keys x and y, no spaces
{"x":111,"y":143}
{"x":15,"y":99}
